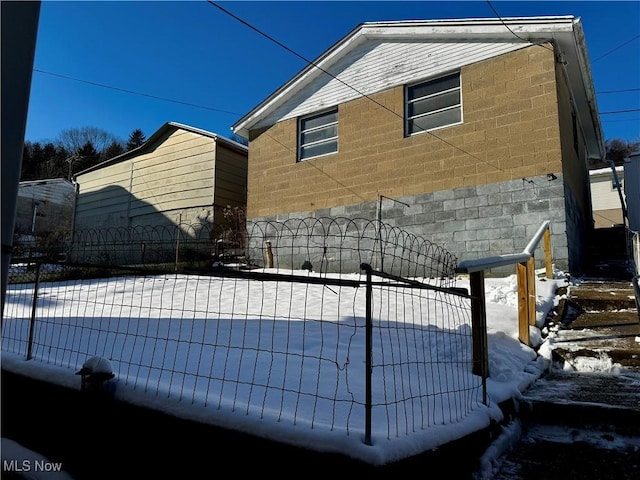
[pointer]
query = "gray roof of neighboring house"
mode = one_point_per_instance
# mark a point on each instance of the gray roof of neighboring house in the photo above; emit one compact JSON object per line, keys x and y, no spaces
{"x":55,"y":190}
{"x":158,"y":134}
{"x":565,"y":31}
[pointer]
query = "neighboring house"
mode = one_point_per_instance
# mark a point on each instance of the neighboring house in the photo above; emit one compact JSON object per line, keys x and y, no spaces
{"x":605,"y":197}
{"x":481,"y":128}
{"x":632,"y":190}
{"x":44,"y":207}
{"x":180,"y":175}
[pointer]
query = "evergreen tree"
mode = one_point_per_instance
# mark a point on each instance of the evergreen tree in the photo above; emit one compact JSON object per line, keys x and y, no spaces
{"x":43,"y":161}
{"x":29,"y":168}
{"x":136,"y":138}
{"x":87,"y":156}
{"x":113,"y":150}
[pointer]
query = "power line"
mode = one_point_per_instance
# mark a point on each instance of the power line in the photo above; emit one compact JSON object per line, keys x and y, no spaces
{"x":615,"y":49}
{"x":621,"y":120}
{"x":620,"y":111}
{"x":362,"y":94}
{"x":619,"y":91}
{"x":512,"y":32}
{"x":124,"y":90}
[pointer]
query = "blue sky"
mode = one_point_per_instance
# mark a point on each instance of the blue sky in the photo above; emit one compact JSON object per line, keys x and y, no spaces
{"x":194,"y":53}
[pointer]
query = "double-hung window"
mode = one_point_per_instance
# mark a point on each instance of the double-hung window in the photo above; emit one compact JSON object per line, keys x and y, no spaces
{"x":433,"y":104}
{"x":318,"y":134}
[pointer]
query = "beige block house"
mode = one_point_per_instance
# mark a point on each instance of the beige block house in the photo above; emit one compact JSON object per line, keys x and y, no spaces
{"x":180,"y":175}
{"x":468,"y":132}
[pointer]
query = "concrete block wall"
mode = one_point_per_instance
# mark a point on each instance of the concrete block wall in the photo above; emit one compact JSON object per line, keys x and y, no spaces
{"x":510,"y":130}
{"x":474,"y":222}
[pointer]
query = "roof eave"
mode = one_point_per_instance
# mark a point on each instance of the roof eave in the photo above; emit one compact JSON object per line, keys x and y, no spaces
{"x":528,"y":28}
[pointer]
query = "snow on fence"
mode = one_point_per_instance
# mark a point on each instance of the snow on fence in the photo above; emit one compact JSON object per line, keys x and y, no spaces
{"x":336,"y":324}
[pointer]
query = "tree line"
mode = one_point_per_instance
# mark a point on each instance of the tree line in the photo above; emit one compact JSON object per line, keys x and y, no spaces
{"x":74,"y":150}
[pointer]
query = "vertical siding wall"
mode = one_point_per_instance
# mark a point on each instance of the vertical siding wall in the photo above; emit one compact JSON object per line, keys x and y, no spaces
{"x":477,"y":189}
{"x":172,"y":182}
{"x":230,"y":173}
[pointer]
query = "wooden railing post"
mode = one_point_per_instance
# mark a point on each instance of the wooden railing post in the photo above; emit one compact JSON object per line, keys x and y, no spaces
{"x":547,"y":253}
{"x":526,"y":274}
{"x":531,"y":290}
{"x":523,"y":303}
{"x":479,"y":325}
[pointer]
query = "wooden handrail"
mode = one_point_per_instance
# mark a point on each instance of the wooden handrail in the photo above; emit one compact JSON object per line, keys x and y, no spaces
{"x":525,"y":270}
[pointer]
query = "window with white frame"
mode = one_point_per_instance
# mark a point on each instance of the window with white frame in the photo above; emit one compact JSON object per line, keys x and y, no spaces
{"x":318,"y":134}
{"x":433,"y":104}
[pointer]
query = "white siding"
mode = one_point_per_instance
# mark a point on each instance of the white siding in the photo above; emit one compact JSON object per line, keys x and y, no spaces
{"x":377,"y":65}
{"x":603,"y":195}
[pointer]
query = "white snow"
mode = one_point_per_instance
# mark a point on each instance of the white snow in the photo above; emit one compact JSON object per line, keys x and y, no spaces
{"x":513,"y":366}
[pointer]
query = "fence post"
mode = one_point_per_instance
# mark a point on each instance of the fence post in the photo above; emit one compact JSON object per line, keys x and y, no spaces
{"x":32,"y":324}
{"x":368,"y":354}
{"x":269,"y":254}
{"x":479,"y":328}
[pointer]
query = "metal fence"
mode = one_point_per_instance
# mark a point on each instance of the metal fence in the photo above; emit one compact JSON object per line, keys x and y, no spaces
{"x":336,"y":324}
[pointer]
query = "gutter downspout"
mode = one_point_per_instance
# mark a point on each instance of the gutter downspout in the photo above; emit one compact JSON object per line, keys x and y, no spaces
{"x":625,"y":215}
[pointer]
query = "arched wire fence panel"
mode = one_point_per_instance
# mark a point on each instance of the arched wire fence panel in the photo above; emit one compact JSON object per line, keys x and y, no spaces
{"x":272,"y":322}
{"x":330,"y":245}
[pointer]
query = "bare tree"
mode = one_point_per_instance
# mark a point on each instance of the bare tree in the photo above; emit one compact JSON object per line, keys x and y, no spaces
{"x":618,"y":149}
{"x":73,"y":139}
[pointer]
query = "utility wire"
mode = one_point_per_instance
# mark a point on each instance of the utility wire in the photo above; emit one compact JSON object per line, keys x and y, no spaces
{"x":616,"y":48}
{"x":620,"y":111}
{"x":512,"y":32}
{"x":619,"y":91}
{"x":625,"y":120}
{"x":96,"y":84}
{"x":362,"y":94}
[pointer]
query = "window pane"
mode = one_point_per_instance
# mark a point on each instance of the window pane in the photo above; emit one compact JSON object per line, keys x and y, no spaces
{"x":318,"y":134}
{"x":434,"y":104}
{"x":435,"y":120}
{"x":324,"y":133}
{"x":437,"y":102}
{"x":319,"y":120}
{"x":319,"y":149}
{"x":434,"y":86}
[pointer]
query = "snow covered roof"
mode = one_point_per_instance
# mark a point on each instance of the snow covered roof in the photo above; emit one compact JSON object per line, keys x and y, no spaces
{"x":564,"y":31}
{"x":55,"y":190}
{"x":604,"y":171}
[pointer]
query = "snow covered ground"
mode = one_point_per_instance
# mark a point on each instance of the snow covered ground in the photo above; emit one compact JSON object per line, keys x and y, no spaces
{"x":142,"y":376}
